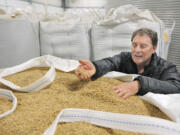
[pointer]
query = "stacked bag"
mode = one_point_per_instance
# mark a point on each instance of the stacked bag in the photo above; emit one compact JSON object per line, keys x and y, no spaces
{"x":65,"y":40}
{"x":19,"y":40}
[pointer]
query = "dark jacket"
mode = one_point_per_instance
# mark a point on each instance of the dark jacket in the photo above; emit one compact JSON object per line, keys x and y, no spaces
{"x":160,"y":76}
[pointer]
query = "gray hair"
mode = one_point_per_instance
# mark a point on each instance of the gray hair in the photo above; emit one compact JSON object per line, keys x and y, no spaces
{"x":145,"y":31}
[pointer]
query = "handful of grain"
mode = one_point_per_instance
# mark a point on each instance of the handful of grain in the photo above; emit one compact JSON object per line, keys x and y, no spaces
{"x":82,"y":72}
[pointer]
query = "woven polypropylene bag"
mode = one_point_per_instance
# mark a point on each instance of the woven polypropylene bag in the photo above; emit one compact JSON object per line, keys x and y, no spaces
{"x":69,"y":41}
{"x":19,"y":41}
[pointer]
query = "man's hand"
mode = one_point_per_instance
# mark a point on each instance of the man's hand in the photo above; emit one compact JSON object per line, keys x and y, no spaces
{"x":86,"y":70}
{"x":125,"y":90}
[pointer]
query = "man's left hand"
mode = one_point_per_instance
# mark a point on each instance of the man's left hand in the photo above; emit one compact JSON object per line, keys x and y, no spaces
{"x":127,"y":89}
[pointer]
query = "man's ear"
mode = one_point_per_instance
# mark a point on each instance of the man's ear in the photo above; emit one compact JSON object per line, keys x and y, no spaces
{"x":154,"y":48}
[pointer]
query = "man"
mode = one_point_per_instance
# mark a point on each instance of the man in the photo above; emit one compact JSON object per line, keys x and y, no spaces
{"x":156,"y":74}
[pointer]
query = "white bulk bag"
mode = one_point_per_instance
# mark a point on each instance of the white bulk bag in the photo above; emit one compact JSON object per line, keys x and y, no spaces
{"x":19,"y":41}
{"x":85,"y":3}
{"x":70,"y":41}
{"x":16,"y":3}
{"x":113,"y":35}
{"x":57,"y":3}
{"x":165,"y":41}
{"x":129,"y":122}
{"x":107,"y":41}
{"x":10,"y":96}
{"x":43,"y":9}
{"x":134,"y":123}
{"x":10,"y":5}
{"x":2,"y":4}
{"x":43,"y":61}
{"x":84,"y":15}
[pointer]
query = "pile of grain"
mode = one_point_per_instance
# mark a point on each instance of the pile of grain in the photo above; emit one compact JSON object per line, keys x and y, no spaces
{"x":36,"y":111}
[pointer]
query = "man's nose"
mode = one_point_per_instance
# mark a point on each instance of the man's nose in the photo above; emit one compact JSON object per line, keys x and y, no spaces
{"x":138,"y":49}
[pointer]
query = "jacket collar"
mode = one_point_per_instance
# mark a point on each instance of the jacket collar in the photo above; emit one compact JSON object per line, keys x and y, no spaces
{"x":149,"y":69}
{"x":153,"y":60}
{"x":152,"y":65}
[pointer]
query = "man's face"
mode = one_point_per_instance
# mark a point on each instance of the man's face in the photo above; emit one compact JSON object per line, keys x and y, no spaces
{"x":142,"y":49}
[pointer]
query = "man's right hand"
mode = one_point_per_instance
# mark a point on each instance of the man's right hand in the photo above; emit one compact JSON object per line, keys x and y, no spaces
{"x":85,"y":70}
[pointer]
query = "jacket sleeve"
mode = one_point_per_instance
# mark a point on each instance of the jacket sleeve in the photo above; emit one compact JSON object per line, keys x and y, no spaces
{"x":108,"y":64}
{"x":169,"y":82}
